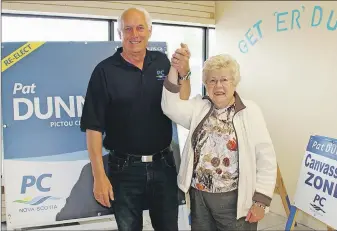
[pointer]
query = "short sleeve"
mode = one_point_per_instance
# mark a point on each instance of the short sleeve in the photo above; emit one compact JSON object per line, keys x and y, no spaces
{"x":96,"y":101}
{"x":167,"y":63}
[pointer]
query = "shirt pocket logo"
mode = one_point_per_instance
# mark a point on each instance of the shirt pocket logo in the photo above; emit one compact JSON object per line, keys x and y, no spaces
{"x":160,"y":75}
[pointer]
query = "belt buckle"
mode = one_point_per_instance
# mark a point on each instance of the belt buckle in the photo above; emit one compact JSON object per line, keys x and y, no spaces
{"x":146,"y":158}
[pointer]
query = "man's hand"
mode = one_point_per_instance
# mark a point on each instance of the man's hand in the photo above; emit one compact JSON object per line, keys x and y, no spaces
{"x":255,"y":214}
{"x":180,"y":60}
{"x":103,"y":191}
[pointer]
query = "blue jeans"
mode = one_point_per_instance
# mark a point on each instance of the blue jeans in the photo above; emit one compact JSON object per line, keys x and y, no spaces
{"x":139,"y":186}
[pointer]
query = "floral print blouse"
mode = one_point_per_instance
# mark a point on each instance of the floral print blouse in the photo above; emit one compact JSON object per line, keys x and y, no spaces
{"x":216,"y":156}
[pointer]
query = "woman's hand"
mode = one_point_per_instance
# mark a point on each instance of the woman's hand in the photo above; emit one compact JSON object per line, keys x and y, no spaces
{"x":256,"y":213}
{"x":180,"y":60}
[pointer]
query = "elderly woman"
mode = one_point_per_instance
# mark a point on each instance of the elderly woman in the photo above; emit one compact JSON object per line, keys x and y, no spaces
{"x":228,"y":164}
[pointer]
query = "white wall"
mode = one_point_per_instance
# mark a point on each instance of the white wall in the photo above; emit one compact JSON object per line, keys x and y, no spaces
{"x":290,"y":73}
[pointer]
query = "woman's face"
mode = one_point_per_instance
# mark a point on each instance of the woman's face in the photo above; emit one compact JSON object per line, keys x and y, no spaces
{"x":220,"y":87}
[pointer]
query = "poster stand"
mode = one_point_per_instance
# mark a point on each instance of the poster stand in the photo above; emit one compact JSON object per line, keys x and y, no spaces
{"x":291,"y":219}
{"x":280,"y":189}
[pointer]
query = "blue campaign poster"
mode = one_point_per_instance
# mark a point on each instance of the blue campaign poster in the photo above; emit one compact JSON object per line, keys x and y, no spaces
{"x":47,"y":171}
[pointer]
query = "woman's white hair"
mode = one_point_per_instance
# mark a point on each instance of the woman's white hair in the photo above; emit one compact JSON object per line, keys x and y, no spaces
{"x":146,"y":14}
{"x":222,"y":61}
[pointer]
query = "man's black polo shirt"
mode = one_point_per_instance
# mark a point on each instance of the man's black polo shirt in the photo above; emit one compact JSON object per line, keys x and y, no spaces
{"x":124,"y":102}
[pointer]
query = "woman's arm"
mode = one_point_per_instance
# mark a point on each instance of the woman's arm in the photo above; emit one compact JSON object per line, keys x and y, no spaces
{"x":185,"y":89}
{"x":266,"y":164}
{"x":178,"y":110}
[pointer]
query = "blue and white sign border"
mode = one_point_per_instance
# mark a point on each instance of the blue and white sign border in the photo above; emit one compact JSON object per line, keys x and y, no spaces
{"x":314,"y":176}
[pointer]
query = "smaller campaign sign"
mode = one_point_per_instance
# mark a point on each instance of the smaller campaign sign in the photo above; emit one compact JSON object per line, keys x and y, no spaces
{"x":316,"y":192}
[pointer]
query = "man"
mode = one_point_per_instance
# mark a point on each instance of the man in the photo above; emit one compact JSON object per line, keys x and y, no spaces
{"x":123,"y":101}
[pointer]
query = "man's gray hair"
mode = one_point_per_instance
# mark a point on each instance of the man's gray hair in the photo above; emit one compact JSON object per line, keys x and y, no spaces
{"x":146,"y":14}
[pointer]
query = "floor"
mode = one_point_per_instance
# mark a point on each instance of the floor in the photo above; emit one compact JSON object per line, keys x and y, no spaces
{"x":272,"y":221}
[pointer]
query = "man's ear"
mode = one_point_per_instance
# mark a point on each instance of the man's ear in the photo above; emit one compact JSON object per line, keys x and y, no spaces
{"x":120,"y":35}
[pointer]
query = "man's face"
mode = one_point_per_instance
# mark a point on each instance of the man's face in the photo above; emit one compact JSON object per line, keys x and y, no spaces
{"x":135,"y":32}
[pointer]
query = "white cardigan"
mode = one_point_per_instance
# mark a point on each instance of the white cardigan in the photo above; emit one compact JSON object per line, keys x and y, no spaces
{"x":257,"y":159}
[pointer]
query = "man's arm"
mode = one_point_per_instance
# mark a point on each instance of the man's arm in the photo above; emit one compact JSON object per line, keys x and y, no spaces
{"x":75,"y":207}
{"x":93,"y":123}
{"x":102,"y":186}
{"x":94,"y":144}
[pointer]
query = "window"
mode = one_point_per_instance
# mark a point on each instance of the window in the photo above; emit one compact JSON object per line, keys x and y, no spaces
{"x":31,"y":28}
{"x":212,"y":43}
{"x":173,"y":36}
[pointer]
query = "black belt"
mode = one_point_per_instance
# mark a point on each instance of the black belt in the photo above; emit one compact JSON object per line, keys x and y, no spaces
{"x":141,"y":158}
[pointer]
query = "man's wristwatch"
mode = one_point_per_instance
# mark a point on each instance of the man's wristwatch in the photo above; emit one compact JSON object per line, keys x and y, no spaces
{"x":186,"y":77}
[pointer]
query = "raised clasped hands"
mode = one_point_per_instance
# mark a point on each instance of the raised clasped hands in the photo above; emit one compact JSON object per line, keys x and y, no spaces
{"x":180,"y":60}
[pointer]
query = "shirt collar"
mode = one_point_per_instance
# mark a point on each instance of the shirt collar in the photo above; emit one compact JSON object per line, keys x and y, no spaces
{"x":118,"y":60}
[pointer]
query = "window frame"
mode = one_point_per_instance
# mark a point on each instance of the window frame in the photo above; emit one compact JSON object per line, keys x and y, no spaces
{"x":206,"y":49}
{"x":60,"y":17}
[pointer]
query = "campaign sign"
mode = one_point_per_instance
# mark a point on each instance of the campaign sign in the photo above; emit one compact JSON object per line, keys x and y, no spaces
{"x":316,"y":192}
{"x":47,"y":172}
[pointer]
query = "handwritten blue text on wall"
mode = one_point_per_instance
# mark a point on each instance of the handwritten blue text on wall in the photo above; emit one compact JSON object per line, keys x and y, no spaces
{"x":289,"y":20}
